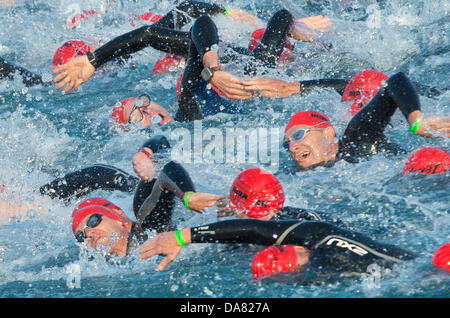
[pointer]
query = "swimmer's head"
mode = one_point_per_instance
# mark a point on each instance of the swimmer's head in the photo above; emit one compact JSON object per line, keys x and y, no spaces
{"x":147,"y":17}
{"x":257,"y":193}
{"x":308,"y":137}
{"x":168,"y":63}
{"x":132,"y":110}
{"x":286,"y":55}
{"x":275,"y":259}
{"x":69,"y":50}
{"x":441,"y":257}
{"x":362,"y":88}
{"x":101,"y":226}
{"x":428,"y":160}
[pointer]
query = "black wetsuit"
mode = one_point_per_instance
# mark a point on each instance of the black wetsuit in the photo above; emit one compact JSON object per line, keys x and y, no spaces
{"x":332,"y":248}
{"x":193,"y":45}
{"x":8,"y":70}
{"x":292,"y":213}
{"x":153,"y":201}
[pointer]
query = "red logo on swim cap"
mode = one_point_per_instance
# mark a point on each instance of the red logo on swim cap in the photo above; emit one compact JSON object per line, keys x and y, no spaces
{"x":274,"y":259}
{"x":257,"y":193}
{"x":362,"y":88}
{"x":68,"y":51}
{"x":308,"y":118}
{"x":441,"y":257}
{"x":428,"y":160}
{"x":286,"y":55}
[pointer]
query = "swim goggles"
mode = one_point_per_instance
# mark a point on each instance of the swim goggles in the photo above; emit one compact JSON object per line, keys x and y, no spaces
{"x":93,"y":221}
{"x":136,"y":114}
{"x":299,"y":134}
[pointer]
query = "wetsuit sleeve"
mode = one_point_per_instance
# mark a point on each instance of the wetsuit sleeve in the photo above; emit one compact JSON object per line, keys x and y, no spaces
{"x":351,"y":247}
{"x":160,"y":36}
{"x":8,"y":70}
{"x":203,"y":35}
{"x":84,"y":181}
{"x":173,"y":181}
{"x":368,"y":125}
{"x":338,"y":84}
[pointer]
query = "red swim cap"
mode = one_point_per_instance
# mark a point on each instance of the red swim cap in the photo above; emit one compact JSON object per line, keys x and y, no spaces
{"x":308,"y":118}
{"x":79,"y":215}
{"x":362,"y":88}
{"x":428,"y":160}
{"x":68,"y":51}
{"x":441,"y":257}
{"x":257,"y":193}
{"x":95,"y":201}
{"x":163,"y":64}
{"x":255,"y":39}
{"x":118,"y":112}
{"x":76,"y":19}
{"x":274,"y":259}
{"x":148,"y":16}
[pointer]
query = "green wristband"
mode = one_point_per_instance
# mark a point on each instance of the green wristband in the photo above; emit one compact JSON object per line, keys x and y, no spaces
{"x":179,"y":238}
{"x":186,"y":197}
{"x":227,"y":10}
{"x":415,"y":126}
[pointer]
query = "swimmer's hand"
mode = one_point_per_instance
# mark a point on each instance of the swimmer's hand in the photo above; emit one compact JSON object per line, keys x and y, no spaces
{"x":73,"y":73}
{"x":441,"y":126}
{"x":230,"y":86}
{"x":244,"y":17}
{"x":271,"y":87}
{"x":155,"y":109}
{"x":310,"y":29}
{"x":200,"y":201}
{"x":223,"y":209}
{"x":164,"y":244}
{"x":143,"y":165}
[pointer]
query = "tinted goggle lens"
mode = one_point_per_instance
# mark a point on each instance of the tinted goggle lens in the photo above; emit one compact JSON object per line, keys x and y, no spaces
{"x":93,"y":221}
{"x":296,"y":136}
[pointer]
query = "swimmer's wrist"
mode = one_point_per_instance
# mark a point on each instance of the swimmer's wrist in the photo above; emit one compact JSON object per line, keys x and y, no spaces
{"x":92,"y":59}
{"x":183,"y":236}
{"x":186,"y":199}
{"x":227,"y":10}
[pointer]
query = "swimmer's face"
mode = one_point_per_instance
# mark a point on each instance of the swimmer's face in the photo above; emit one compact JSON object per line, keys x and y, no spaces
{"x":312,"y":149}
{"x":108,"y":233}
{"x":136,"y":110}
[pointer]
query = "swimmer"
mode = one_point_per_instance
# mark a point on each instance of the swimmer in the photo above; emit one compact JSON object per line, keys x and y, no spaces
{"x":359,"y":90}
{"x":153,"y":204}
{"x":311,"y":139}
{"x":258,"y":194}
{"x":139,"y":110}
{"x":323,"y":246}
{"x":161,"y":36}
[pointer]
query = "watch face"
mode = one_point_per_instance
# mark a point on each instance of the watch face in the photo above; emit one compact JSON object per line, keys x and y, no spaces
{"x":207,"y":74}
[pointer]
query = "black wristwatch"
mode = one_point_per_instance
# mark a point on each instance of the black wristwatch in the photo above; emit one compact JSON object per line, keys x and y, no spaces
{"x":208,"y":72}
{"x":91,"y":58}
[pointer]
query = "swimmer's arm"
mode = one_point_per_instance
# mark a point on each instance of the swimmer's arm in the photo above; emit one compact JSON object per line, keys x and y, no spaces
{"x":231,"y":231}
{"x":310,"y":29}
{"x":403,"y":95}
{"x":276,"y":88}
{"x":7,"y":71}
